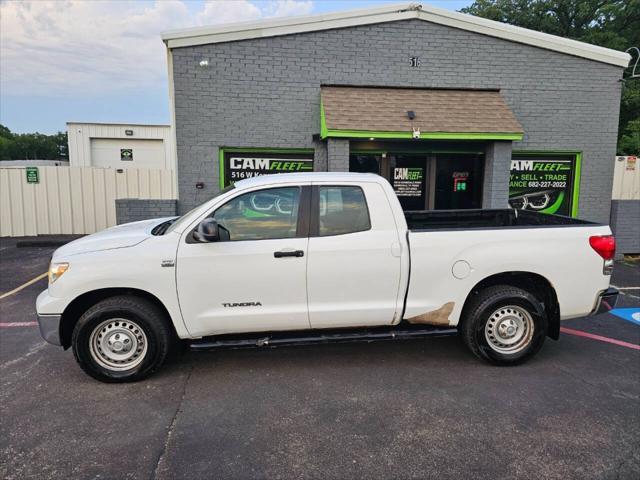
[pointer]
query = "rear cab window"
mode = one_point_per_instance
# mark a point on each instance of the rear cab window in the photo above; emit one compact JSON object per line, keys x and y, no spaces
{"x":340,"y":210}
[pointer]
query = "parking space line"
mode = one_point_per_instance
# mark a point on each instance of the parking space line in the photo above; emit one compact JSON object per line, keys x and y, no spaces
{"x":629,"y":295}
{"x":624,"y":291}
{"x":580,"y":333}
{"x":18,"y":324}
{"x":24,"y":285}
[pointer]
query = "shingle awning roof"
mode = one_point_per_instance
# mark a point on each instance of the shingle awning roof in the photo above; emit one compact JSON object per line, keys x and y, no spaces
{"x":358,"y":112}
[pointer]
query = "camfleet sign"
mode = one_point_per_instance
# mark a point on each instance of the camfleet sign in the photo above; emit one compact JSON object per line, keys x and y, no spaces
{"x":237,"y":165}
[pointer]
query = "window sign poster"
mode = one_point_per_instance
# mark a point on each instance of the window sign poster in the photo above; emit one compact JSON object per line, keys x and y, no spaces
{"x":407,"y":182}
{"x":240,"y":165}
{"x":409,"y":185}
{"x":545,"y":184}
{"x":460,"y":181}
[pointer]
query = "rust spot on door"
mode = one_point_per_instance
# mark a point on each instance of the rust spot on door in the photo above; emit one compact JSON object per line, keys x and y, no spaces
{"x":435,"y":317}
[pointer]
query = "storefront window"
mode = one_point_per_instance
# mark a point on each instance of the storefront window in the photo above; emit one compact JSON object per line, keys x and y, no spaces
{"x":545,"y":182}
{"x":458,"y":183}
{"x":427,"y":180}
{"x":366,"y":163}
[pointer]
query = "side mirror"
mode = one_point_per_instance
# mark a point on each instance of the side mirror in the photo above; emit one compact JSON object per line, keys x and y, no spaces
{"x":208,"y":231}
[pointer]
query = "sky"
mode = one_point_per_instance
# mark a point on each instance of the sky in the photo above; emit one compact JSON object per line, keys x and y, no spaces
{"x":103,"y":61}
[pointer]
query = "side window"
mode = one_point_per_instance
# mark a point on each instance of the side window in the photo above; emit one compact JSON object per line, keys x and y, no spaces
{"x":261,"y":215}
{"x":342,"y":210}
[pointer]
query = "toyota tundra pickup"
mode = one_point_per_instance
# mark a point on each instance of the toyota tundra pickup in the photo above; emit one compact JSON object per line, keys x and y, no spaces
{"x":319,"y":257}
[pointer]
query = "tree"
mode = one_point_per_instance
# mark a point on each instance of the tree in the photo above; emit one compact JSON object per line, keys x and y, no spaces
{"x":608,"y":23}
{"x":32,"y":146}
{"x":5,"y":132}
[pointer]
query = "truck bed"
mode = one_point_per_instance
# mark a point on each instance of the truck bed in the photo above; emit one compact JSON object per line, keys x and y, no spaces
{"x":421,"y":220}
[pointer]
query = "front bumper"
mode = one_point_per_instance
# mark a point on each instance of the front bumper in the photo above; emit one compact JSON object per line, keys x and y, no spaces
{"x":48,"y":310}
{"x":606,"y":301}
{"x":50,"y":328}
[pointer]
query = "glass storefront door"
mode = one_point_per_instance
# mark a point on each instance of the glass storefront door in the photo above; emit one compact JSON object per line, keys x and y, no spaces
{"x":458,"y":182}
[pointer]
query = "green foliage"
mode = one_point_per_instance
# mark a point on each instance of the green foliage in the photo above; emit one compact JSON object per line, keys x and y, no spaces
{"x":32,"y":146}
{"x":629,"y":143}
{"x":608,"y":23}
{"x":5,"y":132}
{"x":629,"y":128}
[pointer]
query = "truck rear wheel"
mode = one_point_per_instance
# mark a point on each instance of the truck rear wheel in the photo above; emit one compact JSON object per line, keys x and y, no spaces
{"x":121,"y":339}
{"x":504,"y":325}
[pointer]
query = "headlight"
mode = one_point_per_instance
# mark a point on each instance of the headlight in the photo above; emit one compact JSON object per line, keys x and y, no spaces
{"x":535,"y":200}
{"x":56,"y":270}
{"x":539,"y":201}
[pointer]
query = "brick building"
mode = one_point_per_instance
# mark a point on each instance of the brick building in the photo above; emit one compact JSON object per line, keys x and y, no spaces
{"x":456,"y":111}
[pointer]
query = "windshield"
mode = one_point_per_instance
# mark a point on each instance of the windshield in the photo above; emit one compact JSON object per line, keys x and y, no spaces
{"x":178,"y":222}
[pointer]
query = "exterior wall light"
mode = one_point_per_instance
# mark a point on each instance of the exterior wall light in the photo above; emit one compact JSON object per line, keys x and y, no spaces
{"x":204,"y":63}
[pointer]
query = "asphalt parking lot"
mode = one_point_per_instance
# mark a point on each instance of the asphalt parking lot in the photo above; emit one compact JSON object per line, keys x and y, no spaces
{"x":409,"y":409}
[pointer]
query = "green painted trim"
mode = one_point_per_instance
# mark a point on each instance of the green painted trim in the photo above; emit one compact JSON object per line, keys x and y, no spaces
{"x":575,"y":199}
{"x":221,"y":169}
{"x":472,"y":136}
{"x":326,"y":133}
{"x":576,"y":185}
{"x":223,"y":150}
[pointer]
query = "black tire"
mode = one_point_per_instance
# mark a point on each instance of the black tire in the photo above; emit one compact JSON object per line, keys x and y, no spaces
{"x":125,"y":313}
{"x":488,"y":304}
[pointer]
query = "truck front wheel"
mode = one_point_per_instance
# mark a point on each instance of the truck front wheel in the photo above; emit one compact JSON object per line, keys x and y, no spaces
{"x":504,"y":325}
{"x":121,"y":339}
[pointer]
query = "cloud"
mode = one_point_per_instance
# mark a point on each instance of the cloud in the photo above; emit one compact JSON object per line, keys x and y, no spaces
{"x":76,"y":48}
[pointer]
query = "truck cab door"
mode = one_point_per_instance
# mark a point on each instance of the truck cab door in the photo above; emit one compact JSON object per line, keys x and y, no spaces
{"x":354,"y":257}
{"x":254,"y":278}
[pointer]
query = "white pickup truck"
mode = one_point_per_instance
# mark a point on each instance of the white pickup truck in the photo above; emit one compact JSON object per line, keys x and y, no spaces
{"x":304,"y":258}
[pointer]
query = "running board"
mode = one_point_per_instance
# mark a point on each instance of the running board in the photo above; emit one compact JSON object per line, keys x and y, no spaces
{"x":312,"y":337}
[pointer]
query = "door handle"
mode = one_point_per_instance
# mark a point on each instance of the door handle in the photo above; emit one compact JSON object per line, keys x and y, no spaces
{"x":288,"y":253}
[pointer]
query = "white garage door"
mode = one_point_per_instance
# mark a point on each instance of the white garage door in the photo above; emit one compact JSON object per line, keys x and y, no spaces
{"x":125,"y":153}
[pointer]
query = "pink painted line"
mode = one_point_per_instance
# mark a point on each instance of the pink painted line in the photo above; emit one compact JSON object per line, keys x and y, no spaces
{"x":18,"y":324}
{"x":580,"y":333}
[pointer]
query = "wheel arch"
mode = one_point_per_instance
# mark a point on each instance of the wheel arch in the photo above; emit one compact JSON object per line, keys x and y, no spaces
{"x":534,"y":283}
{"x":82,"y":303}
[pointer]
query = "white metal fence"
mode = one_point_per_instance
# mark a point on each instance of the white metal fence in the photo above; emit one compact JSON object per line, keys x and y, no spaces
{"x":73,"y":200}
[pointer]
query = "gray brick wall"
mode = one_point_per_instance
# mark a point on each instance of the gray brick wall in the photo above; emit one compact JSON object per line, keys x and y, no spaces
{"x":320,"y":159}
{"x":338,"y":154}
{"x":266,"y":93}
{"x":495,"y":190}
{"x":625,"y":224}
{"x":134,"y":209}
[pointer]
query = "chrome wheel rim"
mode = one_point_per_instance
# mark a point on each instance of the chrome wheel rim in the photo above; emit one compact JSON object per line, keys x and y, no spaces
{"x":118,"y":344}
{"x":509,"y":329}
